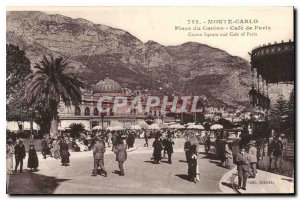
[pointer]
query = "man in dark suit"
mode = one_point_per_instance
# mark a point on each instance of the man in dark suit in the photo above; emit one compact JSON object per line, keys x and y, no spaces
{"x":121,"y":155}
{"x":157,"y":148}
{"x":242,"y":162}
{"x":169,"y":147}
{"x":98,"y":152}
{"x":188,"y":155}
{"x":20,"y":154}
{"x":275,"y":151}
{"x":44,"y":146}
{"x":113,"y":140}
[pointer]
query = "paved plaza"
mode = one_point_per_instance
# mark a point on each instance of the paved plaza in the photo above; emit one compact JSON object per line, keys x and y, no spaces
{"x":264,"y":183}
{"x":141,"y":176}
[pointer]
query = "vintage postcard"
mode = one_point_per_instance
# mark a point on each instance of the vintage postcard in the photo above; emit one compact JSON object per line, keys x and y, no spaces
{"x":150,"y":100}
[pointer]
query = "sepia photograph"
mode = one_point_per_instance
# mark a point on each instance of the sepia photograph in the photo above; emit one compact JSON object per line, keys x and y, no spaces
{"x":150,"y":100}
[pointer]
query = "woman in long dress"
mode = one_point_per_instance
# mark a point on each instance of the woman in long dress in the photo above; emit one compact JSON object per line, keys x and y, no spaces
{"x":157,"y":148}
{"x":33,"y":161}
{"x":194,"y":174}
{"x":9,"y":157}
{"x":228,"y":154}
{"x":64,"y":154}
{"x":81,"y":145}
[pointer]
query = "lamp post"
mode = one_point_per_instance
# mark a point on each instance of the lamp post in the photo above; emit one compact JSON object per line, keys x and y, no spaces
{"x":102,"y":113}
{"x":102,"y":117}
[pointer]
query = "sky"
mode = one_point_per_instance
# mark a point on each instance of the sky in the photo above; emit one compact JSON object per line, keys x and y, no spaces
{"x":158,"y":23}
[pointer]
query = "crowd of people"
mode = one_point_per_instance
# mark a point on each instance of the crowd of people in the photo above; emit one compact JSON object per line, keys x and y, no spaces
{"x":98,"y":154}
{"x":248,"y":156}
{"x":246,"y":161}
{"x":58,"y":148}
{"x":162,"y":147}
{"x":20,"y":154}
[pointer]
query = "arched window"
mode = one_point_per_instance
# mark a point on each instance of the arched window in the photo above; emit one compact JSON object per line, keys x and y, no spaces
{"x":96,"y":111}
{"x":77,"y":110}
{"x":87,"y":111}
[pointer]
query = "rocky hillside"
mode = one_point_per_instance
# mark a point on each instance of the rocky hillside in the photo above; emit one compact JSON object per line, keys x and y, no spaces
{"x":95,"y":50}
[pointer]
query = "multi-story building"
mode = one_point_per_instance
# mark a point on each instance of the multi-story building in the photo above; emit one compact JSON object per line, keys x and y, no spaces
{"x":88,"y":113}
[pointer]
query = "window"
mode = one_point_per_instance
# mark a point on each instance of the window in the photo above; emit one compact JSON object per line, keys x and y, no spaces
{"x":96,"y":111}
{"x":77,"y":110}
{"x":87,"y":111}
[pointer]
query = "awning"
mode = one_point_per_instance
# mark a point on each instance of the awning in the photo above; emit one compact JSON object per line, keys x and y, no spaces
{"x":200,"y":127}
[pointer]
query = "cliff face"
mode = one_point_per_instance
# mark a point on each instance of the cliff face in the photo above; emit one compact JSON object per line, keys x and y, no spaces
{"x":95,"y":50}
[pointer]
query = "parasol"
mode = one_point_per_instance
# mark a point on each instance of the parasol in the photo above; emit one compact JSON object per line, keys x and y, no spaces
{"x":216,"y":127}
{"x":199,"y":127}
{"x":97,"y":128}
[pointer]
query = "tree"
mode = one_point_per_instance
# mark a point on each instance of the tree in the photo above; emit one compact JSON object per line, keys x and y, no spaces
{"x":17,"y":109}
{"x":43,"y":117}
{"x":17,"y":68}
{"x":290,"y":120}
{"x":291,"y":110}
{"x":76,"y":129}
{"x":200,"y":118}
{"x":51,"y":83}
{"x":279,"y":114}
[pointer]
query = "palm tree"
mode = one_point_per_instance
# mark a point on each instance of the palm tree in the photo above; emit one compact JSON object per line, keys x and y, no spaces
{"x":50,"y":83}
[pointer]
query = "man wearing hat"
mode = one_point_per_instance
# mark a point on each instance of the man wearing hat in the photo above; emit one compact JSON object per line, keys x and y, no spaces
{"x":44,"y":147}
{"x":20,"y":154}
{"x":121,"y":154}
{"x":98,"y":153}
{"x":168,"y":143}
{"x":253,"y":158}
{"x":276,"y":148}
{"x":242,"y":162}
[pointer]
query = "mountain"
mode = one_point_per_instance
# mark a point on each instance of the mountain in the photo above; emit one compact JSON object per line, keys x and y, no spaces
{"x":95,"y":50}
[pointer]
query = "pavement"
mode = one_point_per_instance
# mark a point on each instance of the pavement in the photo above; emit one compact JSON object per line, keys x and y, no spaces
{"x":141,"y":176}
{"x":263,"y":183}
